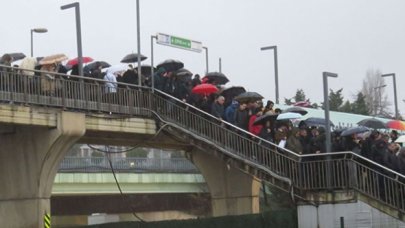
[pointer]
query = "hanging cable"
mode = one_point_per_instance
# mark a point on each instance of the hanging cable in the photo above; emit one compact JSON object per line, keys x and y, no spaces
{"x":120,"y":190}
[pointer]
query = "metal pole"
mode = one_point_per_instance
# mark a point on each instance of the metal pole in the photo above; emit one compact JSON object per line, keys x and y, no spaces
{"x":274,"y":48}
{"x":395,"y":97}
{"x":76,"y":5}
{"x":276,"y":73}
{"x":79,"y":40}
{"x":326,"y":104}
{"x":327,"y":130}
{"x":151,"y":63}
{"x":220,"y":65}
{"x":395,"y":93}
{"x":32,"y":43}
{"x":206,"y":60}
{"x":139,"y":43}
{"x":342,"y":222}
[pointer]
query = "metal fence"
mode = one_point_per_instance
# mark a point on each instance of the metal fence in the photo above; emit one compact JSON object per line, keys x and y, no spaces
{"x":344,"y":170}
{"x":127,"y":165}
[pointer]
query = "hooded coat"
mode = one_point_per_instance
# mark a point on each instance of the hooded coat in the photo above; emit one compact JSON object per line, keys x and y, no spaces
{"x":111,"y":84}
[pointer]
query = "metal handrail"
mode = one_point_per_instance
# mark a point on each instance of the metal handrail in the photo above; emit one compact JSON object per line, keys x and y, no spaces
{"x":127,"y":164}
{"x":305,"y":172}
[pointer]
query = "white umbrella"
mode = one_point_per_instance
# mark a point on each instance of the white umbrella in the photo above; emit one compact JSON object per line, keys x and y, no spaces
{"x":400,"y":139}
{"x":289,"y":115}
{"x":117,"y":68}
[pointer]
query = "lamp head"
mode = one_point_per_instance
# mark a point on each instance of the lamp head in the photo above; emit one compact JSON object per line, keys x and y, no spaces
{"x":40,"y":30}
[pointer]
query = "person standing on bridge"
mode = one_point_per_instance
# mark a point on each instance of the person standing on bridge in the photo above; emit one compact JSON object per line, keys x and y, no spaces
{"x":242,"y":117}
{"x":217,"y":108}
{"x":110,"y":85}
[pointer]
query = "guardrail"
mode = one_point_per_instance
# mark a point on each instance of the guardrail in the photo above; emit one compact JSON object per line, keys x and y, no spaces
{"x":127,"y":165}
{"x":344,"y":170}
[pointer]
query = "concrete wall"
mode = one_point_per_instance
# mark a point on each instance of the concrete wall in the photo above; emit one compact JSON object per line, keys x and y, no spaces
{"x":233,"y":192}
{"x":356,"y":214}
{"x":29,"y":159}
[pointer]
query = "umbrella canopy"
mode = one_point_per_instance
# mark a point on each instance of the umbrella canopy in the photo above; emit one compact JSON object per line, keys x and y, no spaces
{"x":396,"y":124}
{"x":205,"y":89}
{"x":318,"y":122}
{"x":146,"y":69}
{"x":372,"y":123}
{"x":302,"y":104}
{"x":57,"y":58}
{"x":117,"y":68}
{"x":75,"y":61}
{"x":183,"y":73}
{"x":354,"y":130}
{"x":216,"y":78}
{"x":94,"y":65}
{"x":261,"y":120}
{"x":17,"y":56}
{"x":231,"y":92}
{"x":170,"y":65}
{"x":296,"y":110}
{"x":132,"y":58}
{"x":400,"y":139}
{"x":248,"y":97}
{"x":288,"y":116}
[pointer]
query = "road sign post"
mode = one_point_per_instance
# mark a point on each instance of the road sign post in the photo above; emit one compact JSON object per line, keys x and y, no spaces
{"x":179,"y":42}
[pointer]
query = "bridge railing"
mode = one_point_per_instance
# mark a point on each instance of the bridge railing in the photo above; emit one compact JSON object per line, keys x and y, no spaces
{"x":304,"y":172}
{"x":126,"y":164}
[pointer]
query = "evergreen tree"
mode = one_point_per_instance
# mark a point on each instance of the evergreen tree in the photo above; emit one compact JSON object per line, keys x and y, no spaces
{"x":299,"y":95}
{"x":347,"y":107}
{"x":360,"y":105}
{"x":288,"y":101}
{"x":335,"y":99}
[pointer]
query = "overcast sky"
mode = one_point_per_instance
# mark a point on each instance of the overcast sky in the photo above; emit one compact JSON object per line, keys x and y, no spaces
{"x":341,"y":36}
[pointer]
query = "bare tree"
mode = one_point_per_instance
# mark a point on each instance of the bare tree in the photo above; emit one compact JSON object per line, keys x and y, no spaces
{"x":374,"y":92}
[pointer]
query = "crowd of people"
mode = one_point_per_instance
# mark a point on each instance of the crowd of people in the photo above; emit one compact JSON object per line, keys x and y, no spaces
{"x":297,"y":137}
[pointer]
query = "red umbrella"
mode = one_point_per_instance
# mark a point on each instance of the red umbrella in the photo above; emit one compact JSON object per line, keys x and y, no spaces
{"x":396,"y":124}
{"x":75,"y":61}
{"x":205,"y":89}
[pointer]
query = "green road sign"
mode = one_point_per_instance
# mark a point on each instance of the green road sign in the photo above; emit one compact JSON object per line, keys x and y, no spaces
{"x":179,"y":42}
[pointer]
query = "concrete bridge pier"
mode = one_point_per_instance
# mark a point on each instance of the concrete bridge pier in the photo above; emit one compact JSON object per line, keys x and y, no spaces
{"x":233,"y":192}
{"x":29,"y":160}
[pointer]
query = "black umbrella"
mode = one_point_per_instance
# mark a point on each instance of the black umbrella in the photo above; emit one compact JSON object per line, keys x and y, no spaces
{"x":318,"y":122}
{"x":248,"y":97}
{"x":17,"y":56}
{"x":182,"y":73}
{"x":354,"y":130}
{"x":296,"y":110}
{"x":372,"y":123}
{"x":132,"y":58}
{"x":261,"y":120}
{"x":170,"y":65}
{"x":146,"y":70}
{"x":94,"y":65}
{"x":215,"y":77}
{"x":231,"y":92}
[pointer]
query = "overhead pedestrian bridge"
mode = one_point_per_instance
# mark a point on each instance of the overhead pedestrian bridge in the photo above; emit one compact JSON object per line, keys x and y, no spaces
{"x":38,"y":128}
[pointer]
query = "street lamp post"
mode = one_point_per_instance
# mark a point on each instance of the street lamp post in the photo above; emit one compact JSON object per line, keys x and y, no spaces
{"x":138,"y":32}
{"x":36,"y":30}
{"x":206,"y":59}
{"x":76,"y":5}
{"x":379,"y":95}
{"x":327,"y":130}
{"x":395,"y":92}
{"x":220,"y":65}
{"x":152,"y":69}
{"x":274,"y":48}
{"x":326,"y":104}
